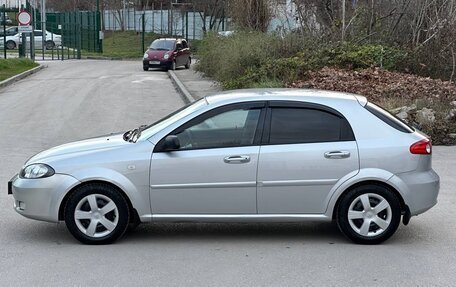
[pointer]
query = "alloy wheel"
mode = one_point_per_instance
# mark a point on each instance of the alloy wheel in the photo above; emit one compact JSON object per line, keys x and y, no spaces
{"x":96,"y":215}
{"x":369,"y":214}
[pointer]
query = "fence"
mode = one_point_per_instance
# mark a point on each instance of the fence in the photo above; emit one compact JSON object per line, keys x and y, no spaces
{"x":79,"y":30}
{"x":187,"y":24}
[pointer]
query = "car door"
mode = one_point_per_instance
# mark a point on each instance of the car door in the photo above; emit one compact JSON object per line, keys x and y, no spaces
{"x":179,"y":54}
{"x":38,"y":37}
{"x":185,"y":52}
{"x":214,"y":169}
{"x":307,"y":149}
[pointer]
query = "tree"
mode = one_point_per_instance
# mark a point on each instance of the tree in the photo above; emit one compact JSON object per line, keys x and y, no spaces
{"x":212,"y":10}
{"x":250,"y":14}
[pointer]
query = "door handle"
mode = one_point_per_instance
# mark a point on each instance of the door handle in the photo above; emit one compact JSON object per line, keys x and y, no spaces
{"x":237,"y":159}
{"x":337,"y":154}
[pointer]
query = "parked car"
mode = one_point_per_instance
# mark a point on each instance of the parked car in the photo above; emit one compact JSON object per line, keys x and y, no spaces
{"x":52,"y":40}
{"x":10,"y":31}
{"x":243,"y":156}
{"x":7,"y":21}
{"x":226,"y":33}
{"x":167,"y":53}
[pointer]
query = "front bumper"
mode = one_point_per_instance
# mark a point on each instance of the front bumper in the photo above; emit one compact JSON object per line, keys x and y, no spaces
{"x":419,"y":189}
{"x":41,"y":198}
{"x":157,"y":63}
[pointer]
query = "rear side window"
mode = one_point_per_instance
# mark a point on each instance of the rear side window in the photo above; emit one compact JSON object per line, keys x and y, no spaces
{"x":305,"y":125}
{"x":389,"y":119}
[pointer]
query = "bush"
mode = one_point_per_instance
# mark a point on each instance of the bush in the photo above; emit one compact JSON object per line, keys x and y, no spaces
{"x":247,"y":58}
{"x":228,"y":59}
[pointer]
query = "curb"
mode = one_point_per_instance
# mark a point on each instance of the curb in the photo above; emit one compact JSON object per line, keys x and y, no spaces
{"x":20,"y":76}
{"x":108,"y":58}
{"x":181,"y":89}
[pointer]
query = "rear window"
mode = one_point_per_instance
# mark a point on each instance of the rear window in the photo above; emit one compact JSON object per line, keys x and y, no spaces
{"x":302,"y":125}
{"x":389,"y":119}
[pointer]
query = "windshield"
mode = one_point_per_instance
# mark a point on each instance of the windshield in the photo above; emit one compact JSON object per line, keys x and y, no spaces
{"x":171,"y":118}
{"x":166,"y":45}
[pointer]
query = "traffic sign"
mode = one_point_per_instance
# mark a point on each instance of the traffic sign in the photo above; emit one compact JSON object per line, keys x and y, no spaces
{"x":25,"y":29}
{"x":24,"y":18}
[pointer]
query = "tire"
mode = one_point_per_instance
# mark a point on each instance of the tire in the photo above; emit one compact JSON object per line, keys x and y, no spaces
{"x":49,"y":45}
{"x":93,"y":226}
{"x":10,"y":45}
{"x":173,"y":66}
{"x":189,"y":62}
{"x":375,"y":214}
{"x":145,"y":69}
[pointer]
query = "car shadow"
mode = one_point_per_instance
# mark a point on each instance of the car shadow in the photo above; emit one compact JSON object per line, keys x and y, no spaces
{"x":194,"y":233}
{"x":240,"y":232}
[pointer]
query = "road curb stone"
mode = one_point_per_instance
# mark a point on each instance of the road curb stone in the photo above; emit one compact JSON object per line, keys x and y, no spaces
{"x":181,"y":89}
{"x":21,"y":76}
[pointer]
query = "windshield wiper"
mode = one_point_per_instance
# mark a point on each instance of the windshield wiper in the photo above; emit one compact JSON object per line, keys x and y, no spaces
{"x":134,"y":134}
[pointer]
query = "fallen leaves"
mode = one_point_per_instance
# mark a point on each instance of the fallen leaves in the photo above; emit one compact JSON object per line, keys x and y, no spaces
{"x":377,"y":84}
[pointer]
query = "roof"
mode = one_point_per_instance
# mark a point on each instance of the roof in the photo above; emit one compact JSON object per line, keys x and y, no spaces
{"x":285,"y":94}
{"x":171,"y":39}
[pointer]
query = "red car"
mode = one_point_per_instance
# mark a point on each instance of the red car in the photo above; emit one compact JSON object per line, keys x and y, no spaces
{"x":167,"y":53}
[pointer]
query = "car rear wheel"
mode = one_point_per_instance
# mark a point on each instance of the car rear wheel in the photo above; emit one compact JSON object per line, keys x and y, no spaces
{"x":97,"y":214}
{"x":189,"y":62}
{"x":10,"y":45}
{"x":50,"y":44}
{"x":369,"y":214}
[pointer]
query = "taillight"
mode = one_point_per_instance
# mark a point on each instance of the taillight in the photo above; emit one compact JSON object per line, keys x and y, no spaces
{"x":421,"y":147}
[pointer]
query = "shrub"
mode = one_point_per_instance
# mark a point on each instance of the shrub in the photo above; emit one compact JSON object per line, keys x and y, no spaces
{"x":245,"y":58}
{"x":229,"y":58}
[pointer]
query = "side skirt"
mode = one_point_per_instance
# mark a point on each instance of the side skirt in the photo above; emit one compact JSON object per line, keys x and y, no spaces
{"x":234,"y":217}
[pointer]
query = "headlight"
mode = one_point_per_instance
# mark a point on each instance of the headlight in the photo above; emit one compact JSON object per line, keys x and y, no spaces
{"x":146,"y":56}
{"x":166,"y":56}
{"x":37,"y":170}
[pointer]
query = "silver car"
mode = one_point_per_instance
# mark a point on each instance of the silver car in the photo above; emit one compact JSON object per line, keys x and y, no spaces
{"x":242,"y":156}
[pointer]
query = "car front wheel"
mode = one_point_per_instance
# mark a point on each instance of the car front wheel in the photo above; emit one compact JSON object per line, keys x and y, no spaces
{"x":369,"y":214}
{"x":10,"y":45}
{"x":97,"y":214}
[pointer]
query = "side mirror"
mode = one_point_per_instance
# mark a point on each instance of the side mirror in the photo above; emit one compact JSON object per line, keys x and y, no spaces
{"x":171,"y":143}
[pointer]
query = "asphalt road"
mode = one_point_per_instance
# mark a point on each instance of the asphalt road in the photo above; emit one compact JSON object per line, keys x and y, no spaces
{"x":79,"y":99}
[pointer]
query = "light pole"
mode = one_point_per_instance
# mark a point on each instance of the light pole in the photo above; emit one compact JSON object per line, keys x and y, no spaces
{"x":100,"y":41}
{"x":43,"y":25}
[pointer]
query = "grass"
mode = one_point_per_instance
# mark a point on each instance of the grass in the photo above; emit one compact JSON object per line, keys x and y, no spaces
{"x":123,"y":44}
{"x":11,"y":67}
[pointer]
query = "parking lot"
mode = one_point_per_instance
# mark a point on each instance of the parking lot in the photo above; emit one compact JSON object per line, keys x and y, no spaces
{"x":73,"y":100}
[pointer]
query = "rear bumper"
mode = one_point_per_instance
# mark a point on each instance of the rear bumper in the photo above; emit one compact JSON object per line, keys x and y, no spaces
{"x":419,"y":189}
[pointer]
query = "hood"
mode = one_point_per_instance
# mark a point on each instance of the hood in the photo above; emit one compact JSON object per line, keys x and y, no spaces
{"x":88,"y":145}
{"x":156,"y":54}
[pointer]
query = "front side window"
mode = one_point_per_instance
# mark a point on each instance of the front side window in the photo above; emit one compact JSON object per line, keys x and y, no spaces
{"x":226,"y":129}
{"x":306,"y":125}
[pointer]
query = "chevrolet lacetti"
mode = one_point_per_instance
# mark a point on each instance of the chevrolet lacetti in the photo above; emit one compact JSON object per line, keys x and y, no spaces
{"x":243,"y":156}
